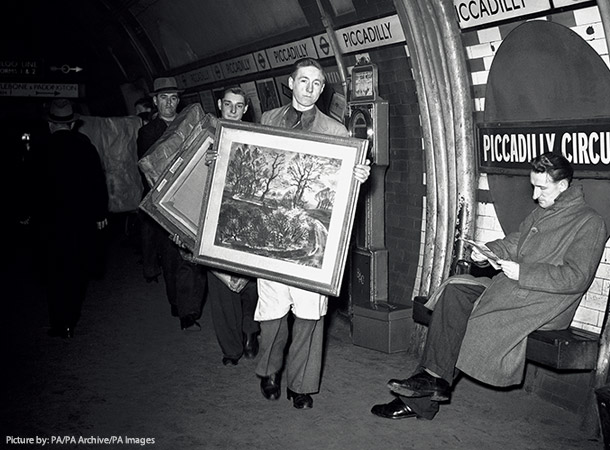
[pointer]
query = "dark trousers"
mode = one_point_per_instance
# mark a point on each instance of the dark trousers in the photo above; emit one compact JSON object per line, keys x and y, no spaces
{"x":150,"y":235}
{"x":232,"y":314}
{"x":69,"y":264}
{"x":185,"y":282}
{"x":67,"y":286}
{"x":444,"y":340}
{"x":304,"y":360}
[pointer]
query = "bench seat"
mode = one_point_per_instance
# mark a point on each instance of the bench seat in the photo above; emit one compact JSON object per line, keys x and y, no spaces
{"x":571,"y":349}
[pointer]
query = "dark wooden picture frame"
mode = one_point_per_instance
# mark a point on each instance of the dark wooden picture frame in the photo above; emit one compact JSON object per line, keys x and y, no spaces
{"x":280,"y":205}
{"x":176,"y":199}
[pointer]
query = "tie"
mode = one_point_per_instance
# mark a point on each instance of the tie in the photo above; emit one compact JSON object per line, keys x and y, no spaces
{"x":293,"y":118}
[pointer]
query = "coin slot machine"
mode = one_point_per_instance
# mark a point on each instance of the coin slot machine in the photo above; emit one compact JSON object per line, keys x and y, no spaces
{"x":368,"y":119}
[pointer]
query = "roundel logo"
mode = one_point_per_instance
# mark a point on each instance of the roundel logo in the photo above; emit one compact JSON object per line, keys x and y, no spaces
{"x":324,"y":45}
{"x":262,"y":63}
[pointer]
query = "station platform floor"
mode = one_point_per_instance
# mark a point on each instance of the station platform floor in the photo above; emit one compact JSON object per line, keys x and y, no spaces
{"x":130,"y":372}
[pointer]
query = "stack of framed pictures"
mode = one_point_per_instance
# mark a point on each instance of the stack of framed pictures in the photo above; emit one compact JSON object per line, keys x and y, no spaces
{"x":175,"y":200}
{"x":180,"y":132}
{"x":275,"y":203}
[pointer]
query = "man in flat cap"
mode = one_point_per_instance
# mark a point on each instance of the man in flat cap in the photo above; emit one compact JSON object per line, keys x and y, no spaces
{"x":185,"y":281}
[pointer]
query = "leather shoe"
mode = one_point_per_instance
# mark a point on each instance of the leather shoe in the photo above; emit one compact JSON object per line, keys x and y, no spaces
{"x":250,"y":345}
{"x":422,"y":385}
{"x":63,"y":332}
{"x":229,"y":361}
{"x":396,"y":409}
{"x":270,"y":386}
{"x":299,"y":401}
{"x":189,"y":324}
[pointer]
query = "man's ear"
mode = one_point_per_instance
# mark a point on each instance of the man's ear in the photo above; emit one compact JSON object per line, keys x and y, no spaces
{"x":563,"y":185}
{"x":220,"y":104}
{"x":290,"y":82}
{"x":245,"y":109}
{"x":155,"y":100}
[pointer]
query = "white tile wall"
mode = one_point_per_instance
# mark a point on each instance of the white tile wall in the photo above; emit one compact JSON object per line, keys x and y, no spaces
{"x":591,"y":311}
{"x":589,"y":27}
{"x":587,"y":15}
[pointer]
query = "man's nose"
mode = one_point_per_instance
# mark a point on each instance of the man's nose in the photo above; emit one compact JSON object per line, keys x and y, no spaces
{"x":536,"y":194}
{"x":309,"y":87}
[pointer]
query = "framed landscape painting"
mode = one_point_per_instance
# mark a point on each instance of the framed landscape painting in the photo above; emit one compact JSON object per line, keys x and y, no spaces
{"x":176,"y":199}
{"x":280,"y":205}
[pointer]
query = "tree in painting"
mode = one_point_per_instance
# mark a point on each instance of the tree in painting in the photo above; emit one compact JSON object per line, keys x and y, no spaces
{"x":277,"y":203}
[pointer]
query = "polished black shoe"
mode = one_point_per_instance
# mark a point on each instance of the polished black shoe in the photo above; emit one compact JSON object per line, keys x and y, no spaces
{"x":396,"y":409}
{"x":422,"y":385}
{"x":61,"y":332}
{"x":250,"y":345}
{"x":229,"y":361}
{"x":270,"y":386}
{"x":189,"y":324}
{"x":300,"y":401}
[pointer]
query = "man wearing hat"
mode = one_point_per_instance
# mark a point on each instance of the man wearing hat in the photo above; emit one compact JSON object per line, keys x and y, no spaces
{"x":185,"y":282}
{"x":73,"y":203}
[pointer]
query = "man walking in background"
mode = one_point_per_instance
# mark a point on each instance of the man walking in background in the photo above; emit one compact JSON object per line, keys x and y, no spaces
{"x":73,"y":204}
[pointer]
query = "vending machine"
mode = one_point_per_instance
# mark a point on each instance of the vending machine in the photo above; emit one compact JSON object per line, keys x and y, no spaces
{"x":368,"y":119}
{"x":376,"y":323}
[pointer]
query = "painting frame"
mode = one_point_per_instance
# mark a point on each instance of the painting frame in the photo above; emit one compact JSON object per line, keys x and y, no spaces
{"x":175,"y":200}
{"x":264,"y":229}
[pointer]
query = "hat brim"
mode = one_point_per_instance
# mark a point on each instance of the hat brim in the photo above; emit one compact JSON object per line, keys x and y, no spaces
{"x":62,"y":119}
{"x":166,"y":90}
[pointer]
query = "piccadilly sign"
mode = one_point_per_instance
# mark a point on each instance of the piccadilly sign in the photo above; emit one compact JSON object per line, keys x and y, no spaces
{"x":508,"y":148}
{"x":473,"y":13}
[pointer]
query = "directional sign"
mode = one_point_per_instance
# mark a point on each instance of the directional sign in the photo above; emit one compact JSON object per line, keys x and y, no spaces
{"x":11,"y":67}
{"x":66,"y":69}
{"x":38,"y":90}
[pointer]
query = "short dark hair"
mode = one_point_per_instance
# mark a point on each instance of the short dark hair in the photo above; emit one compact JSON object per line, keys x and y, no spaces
{"x":555,"y":165}
{"x":237,"y":91}
{"x":307,"y":62}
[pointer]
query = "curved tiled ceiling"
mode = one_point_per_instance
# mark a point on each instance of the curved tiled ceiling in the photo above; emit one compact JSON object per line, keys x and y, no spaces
{"x":125,"y":41}
{"x":189,"y":30}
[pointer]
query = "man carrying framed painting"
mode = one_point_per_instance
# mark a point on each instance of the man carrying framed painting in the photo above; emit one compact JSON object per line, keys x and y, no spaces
{"x":233,"y":297}
{"x":185,"y":281}
{"x":276,"y":300}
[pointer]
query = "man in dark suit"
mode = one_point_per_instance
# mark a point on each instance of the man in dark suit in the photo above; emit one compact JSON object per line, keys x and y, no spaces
{"x":185,"y":281}
{"x":73,"y":202}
